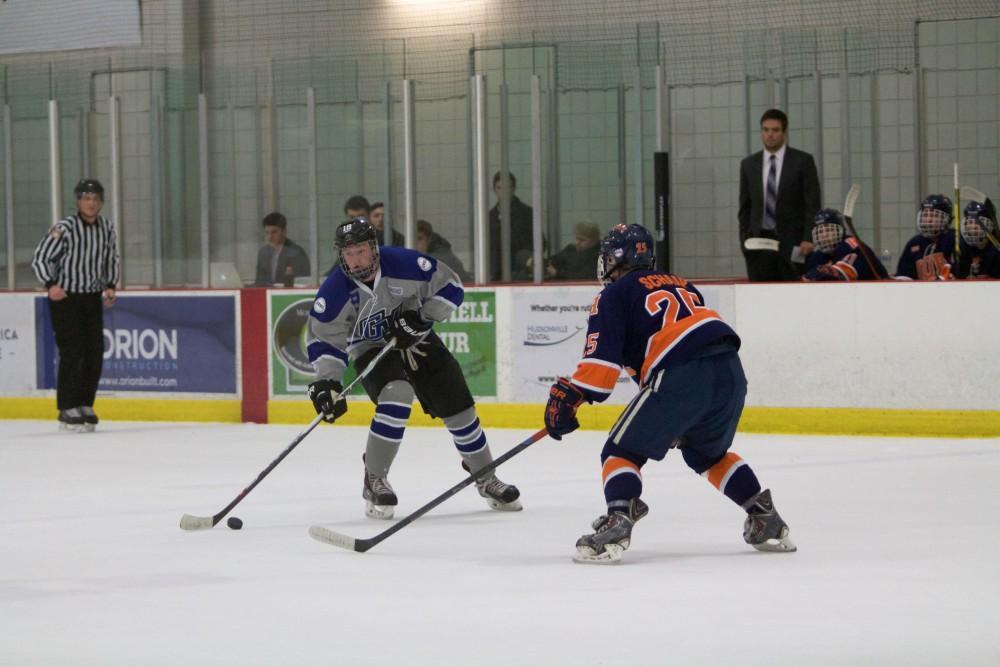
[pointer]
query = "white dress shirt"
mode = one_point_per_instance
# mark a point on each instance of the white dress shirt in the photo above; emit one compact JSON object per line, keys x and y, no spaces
{"x":779,"y":158}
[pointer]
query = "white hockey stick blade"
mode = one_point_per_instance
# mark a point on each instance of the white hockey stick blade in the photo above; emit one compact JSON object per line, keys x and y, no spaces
{"x":189,"y":522}
{"x":969,"y":193}
{"x":328,"y":536}
{"x":850,"y":200}
{"x":756,"y":243}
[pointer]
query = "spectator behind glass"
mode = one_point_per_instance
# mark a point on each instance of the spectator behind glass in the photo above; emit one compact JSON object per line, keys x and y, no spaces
{"x":377,"y":219}
{"x":431,"y":243}
{"x":280,"y":260}
{"x":578,"y":260}
{"x":520,"y":234}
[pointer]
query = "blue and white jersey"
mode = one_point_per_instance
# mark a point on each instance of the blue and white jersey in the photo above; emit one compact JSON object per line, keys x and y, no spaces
{"x":348,"y":317}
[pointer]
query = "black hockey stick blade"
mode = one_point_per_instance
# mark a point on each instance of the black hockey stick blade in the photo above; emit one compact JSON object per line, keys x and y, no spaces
{"x":328,"y":536}
{"x":191,"y":522}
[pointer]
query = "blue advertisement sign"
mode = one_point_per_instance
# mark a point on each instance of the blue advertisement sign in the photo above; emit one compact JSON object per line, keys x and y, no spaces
{"x":160,"y":343}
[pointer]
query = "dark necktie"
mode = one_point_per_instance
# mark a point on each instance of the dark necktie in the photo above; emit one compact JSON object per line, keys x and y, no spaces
{"x":771,"y":196}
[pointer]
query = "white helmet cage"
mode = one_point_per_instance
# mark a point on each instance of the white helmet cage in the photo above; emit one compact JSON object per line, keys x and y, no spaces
{"x":826,"y":236}
{"x":975,"y":229}
{"x":931,"y":222}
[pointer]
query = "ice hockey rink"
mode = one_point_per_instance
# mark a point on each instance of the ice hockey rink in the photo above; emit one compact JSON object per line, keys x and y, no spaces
{"x":898,"y":561}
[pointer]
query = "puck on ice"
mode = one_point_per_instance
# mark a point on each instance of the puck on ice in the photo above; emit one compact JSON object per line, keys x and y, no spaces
{"x":234,"y":522}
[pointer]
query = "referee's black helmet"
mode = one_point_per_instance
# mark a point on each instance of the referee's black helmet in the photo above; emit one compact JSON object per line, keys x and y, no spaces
{"x":86,"y":185}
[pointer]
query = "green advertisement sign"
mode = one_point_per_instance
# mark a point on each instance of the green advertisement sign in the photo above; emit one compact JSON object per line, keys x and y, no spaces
{"x":470,"y":335}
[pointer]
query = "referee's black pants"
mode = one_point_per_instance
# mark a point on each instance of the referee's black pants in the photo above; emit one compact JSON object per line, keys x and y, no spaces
{"x":78,"y":322}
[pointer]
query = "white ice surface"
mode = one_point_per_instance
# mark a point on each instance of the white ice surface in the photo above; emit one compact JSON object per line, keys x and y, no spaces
{"x":898,"y":561}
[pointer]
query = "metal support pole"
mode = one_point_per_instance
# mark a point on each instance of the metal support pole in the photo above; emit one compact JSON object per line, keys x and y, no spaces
{"x":480,"y":180}
{"x":536,"y":179}
{"x":748,"y":122}
{"x":8,"y":198}
{"x":622,"y":180}
{"x":876,"y":168}
{"x":115,"y":135}
{"x":638,"y":158}
{"x":313,"y":182}
{"x":55,"y":173}
{"x":156,"y":185}
{"x":818,"y":78}
{"x":505,"y":191}
{"x":662,"y":104}
{"x":409,"y":165}
{"x":845,"y":132}
{"x":389,"y":161}
{"x":203,"y":191}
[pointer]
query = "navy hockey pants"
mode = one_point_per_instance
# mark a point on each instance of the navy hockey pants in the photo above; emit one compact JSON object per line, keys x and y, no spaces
{"x":694,"y":406}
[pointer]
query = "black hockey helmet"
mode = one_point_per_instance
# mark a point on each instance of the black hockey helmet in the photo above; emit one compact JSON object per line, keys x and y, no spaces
{"x":625,"y":247}
{"x":85,"y":185}
{"x":978,"y":223}
{"x":935,"y":214}
{"x":353,"y":232}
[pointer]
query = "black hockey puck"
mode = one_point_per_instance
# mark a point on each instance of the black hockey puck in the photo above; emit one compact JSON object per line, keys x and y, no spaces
{"x":234,"y":522}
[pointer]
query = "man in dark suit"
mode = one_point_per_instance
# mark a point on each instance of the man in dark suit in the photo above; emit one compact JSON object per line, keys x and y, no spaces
{"x":779,"y":195}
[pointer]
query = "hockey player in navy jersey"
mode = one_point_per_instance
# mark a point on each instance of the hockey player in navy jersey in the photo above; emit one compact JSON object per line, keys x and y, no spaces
{"x":837,"y":256}
{"x":382,"y":295}
{"x":979,"y":257}
{"x":657,"y":328}
{"x":928,"y":255}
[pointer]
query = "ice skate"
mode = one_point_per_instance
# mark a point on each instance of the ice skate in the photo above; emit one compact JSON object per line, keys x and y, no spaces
{"x":71,"y":420}
{"x":499,"y":496}
{"x":89,"y":418}
{"x":764,"y":529}
{"x":613,"y":536}
{"x":380,"y":499}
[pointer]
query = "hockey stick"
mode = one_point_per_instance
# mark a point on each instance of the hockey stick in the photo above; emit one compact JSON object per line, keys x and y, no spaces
{"x":191,"y":522}
{"x":957,"y":215}
{"x":972,"y":194}
{"x":849,"y":201}
{"x":362,"y":545}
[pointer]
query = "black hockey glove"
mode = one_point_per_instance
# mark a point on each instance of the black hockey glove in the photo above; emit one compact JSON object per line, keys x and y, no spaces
{"x":321,"y":394}
{"x":408,"y":329}
{"x":560,"y":412}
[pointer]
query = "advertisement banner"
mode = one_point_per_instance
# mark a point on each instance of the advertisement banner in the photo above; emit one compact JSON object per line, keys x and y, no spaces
{"x":156,"y":343}
{"x":548,"y":331}
{"x":17,"y":345}
{"x":470,"y":335}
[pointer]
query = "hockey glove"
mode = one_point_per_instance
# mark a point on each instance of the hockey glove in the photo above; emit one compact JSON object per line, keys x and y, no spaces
{"x":321,"y":393}
{"x":408,"y":329}
{"x":560,"y":412}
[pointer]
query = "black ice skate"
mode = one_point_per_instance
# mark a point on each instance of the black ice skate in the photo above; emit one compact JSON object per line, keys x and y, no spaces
{"x":380,"y":499}
{"x":764,"y":529}
{"x":71,"y":420}
{"x":89,"y":418}
{"x":499,"y":496}
{"x":613,"y":536}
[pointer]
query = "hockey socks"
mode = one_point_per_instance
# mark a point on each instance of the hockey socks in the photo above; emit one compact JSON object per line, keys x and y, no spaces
{"x":734,"y":477}
{"x":621,"y":476}
{"x":470,"y":441}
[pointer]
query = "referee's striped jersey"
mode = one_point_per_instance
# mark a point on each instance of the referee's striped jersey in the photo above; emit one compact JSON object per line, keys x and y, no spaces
{"x":78,"y":256}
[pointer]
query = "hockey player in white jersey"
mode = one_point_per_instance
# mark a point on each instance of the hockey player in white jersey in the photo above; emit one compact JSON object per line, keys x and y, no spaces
{"x":382,"y":294}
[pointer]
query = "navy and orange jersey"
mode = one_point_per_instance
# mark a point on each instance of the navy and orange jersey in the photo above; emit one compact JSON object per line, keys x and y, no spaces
{"x":846,"y":262}
{"x":927,"y":259}
{"x":643,"y":322}
{"x":977,"y":262}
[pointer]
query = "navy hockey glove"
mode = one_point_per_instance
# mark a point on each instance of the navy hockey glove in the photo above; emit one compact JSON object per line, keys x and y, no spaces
{"x":321,"y":394}
{"x":408,"y":329}
{"x":560,"y":412}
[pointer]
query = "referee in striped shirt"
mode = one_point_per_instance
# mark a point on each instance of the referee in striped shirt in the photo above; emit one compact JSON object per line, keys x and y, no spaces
{"x":78,"y":263}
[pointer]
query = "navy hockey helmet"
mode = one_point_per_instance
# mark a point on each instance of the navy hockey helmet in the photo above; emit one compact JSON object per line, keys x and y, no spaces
{"x":85,"y":185}
{"x":978,"y":223}
{"x":828,"y":229}
{"x":935,"y":214}
{"x":353,"y":232}
{"x":625,"y":248}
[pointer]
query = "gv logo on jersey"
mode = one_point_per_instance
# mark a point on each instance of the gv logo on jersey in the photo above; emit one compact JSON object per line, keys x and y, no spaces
{"x":373,"y":327}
